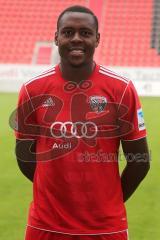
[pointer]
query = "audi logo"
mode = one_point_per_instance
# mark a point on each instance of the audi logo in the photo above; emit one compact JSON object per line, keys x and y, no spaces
{"x":69,"y":129}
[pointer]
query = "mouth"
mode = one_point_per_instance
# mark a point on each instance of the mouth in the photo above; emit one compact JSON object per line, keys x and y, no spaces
{"x":77,"y":51}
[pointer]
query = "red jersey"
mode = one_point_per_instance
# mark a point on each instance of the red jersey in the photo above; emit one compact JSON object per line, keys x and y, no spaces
{"x":78,"y":129}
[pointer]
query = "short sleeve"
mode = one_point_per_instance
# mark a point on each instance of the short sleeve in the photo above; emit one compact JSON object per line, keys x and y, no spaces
{"x":133,"y":126}
{"x":25,"y":117}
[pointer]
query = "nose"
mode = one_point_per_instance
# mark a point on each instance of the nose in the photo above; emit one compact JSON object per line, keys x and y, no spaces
{"x":76,"y":37}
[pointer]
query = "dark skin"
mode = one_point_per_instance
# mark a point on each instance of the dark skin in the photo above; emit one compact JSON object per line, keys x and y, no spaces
{"x":77,"y":38}
{"x":138,"y":164}
{"x":26,"y":158}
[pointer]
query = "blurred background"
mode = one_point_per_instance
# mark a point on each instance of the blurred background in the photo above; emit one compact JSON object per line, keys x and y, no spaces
{"x":130,"y":45}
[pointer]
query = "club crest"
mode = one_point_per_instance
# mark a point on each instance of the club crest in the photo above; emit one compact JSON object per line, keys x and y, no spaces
{"x":97,"y":103}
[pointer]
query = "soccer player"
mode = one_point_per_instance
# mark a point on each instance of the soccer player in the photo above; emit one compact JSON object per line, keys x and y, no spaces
{"x":71,"y":121}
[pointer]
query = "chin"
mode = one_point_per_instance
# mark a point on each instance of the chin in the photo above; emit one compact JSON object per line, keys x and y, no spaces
{"x":77,"y":64}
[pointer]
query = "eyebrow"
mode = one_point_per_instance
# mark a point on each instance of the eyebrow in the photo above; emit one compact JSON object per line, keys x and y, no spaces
{"x":82,"y":28}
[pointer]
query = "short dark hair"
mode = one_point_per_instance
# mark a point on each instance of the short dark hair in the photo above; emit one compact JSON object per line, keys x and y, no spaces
{"x":78,"y":8}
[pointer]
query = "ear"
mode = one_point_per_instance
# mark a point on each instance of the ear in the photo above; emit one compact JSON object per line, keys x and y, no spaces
{"x":56,"y":38}
{"x":98,"y":39}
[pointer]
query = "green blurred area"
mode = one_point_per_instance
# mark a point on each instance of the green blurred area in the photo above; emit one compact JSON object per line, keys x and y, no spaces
{"x":16,"y":192}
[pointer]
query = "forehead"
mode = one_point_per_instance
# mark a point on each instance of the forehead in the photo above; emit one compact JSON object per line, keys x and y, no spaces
{"x":77,"y":19}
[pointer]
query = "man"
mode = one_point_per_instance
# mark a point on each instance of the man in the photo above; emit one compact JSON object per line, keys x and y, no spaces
{"x":71,"y":120}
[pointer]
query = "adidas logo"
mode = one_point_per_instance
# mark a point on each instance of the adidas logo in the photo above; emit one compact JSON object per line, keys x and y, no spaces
{"x":48,"y":103}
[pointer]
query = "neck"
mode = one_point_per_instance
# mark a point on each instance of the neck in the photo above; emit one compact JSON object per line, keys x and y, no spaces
{"x":76,"y":74}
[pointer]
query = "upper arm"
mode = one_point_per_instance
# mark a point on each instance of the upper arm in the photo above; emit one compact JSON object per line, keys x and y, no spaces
{"x":25,"y":138}
{"x":133,"y":116}
{"x":26,"y":157}
{"x":136,"y":151}
{"x":134,"y":143}
{"x":25,"y":150}
{"x":25,"y":117}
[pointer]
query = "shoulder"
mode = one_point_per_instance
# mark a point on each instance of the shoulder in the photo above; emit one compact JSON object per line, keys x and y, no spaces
{"x":38,"y":79}
{"x":40,"y":83}
{"x":113,"y":76}
{"x":114,"y":84}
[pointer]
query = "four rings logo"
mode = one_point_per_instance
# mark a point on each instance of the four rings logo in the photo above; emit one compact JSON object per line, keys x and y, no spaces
{"x":77,"y":129}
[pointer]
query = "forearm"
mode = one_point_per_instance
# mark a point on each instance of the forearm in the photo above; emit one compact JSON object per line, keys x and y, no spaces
{"x":132,"y":175}
{"x":27,"y":168}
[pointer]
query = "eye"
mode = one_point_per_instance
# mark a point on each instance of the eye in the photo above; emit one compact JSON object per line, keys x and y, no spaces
{"x":86,"y":33}
{"x":67,"y":33}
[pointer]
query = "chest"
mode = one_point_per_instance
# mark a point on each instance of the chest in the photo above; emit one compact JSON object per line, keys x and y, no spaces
{"x":74,"y":102}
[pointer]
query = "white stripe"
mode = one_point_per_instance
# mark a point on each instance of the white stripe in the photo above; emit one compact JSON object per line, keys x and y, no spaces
{"x":39,"y":77}
{"x":25,"y":234}
{"x":44,"y":72}
{"x":134,"y":139}
{"x":94,"y":234}
{"x":48,"y":70}
{"x":123,"y":95}
{"x":114,"y":73}
{"x":113,"y":76}
{"x":109,"y":71}
{"x":25,"y":139}
{"x":29,"y":96}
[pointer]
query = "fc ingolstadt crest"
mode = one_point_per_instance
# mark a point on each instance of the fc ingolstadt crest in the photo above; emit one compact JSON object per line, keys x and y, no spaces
{"x":97,"y":103}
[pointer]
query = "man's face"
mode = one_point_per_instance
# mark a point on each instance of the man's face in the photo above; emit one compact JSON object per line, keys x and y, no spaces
{"x":77,"y":38}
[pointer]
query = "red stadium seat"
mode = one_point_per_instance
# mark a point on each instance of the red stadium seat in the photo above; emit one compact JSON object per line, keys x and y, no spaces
{"x":126,"y":29}
{"x":24,"y":23}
